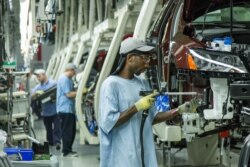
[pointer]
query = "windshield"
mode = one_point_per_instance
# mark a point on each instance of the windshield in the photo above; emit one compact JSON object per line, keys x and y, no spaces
{"x":241,"y":14}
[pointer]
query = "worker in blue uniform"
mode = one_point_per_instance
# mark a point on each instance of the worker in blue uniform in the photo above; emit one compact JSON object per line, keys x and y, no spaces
{"x":66,"y":109}
{"x":49,"y":114}
{"x":120,"y":110}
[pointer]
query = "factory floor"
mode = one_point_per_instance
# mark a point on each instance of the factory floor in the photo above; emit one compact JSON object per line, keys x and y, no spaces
{"x":89,"y":154}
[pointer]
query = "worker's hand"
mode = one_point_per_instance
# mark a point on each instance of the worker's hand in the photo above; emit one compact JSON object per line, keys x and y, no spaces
{"x":145,"y":102}
{"x":194,"y":104}
{"x":39,"y":92}
{"x":189,"y":106}
{"x":85,"y":90}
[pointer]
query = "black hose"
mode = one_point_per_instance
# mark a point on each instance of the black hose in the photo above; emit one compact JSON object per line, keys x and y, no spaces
{"x":144,"y":116}
{"x":231,"y":18}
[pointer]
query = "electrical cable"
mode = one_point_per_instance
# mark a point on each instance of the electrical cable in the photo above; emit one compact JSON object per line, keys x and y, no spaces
{"x":32,"y":129}
{"x":160,"y":36}
{"x":205,"y":16}
{"x":224,"y":107}
{"x":231,"y":18}
{"x":144,"y":116}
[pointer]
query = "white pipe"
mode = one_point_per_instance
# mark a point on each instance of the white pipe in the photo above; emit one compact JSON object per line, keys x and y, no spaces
{"x":56,"y":67}
{"x":107,"y":9}
{"x":65,"y":59}
{"x":79,"y":54}
{"x":99,"y":10}
{"x":144,"y":19}
{"x":66,"y":22}
{"x":59,"y":32}
{"x":60,"y":6}
{"x":111,"y":55}
{"x":78,"y":105}
{"x":72,"y":18}
{"x":80,"y":14}
{"x":49,"y":68}
{"x":92,"y":11}
{"x":85,"y":11}
{"x":181,"y":93}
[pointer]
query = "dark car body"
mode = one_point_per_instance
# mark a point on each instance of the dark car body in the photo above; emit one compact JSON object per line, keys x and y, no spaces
{"x":185,"y":29}
{"x":200,"y":43}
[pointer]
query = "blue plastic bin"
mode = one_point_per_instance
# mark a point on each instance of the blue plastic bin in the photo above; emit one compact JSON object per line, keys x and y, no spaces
{"x":11,"y":151}
{"x":27,"y":154}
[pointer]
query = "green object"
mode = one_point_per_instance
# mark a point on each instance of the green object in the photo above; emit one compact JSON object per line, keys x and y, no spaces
{"x":9,"y":65}
{"x":42,"y":157}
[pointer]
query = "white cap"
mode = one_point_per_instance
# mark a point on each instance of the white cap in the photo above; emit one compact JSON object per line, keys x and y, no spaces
{"x":134,"y":44}
{"x":71,"y":66}
{"x":39,"y":71}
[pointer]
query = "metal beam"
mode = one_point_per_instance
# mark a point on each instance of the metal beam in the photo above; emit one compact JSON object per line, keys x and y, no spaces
{"x":99,"y":10}
{"x":72,"y":18}
{"x":79,"y":53}
{"x":66,"y":23}
{"x":85,"y":75}
{"x":86,"y":12}
{"x":80,"y":15}
{"x":110,"y":58}
{"x":92,"y":16}
{"x":144,"y":19}
{"x":49,"y":68}
{"x":105,"y":25}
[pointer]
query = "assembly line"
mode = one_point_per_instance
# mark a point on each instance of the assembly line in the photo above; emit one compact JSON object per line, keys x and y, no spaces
{"x":130,"y":77}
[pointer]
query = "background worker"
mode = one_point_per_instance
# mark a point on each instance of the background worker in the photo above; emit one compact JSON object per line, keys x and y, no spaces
{"x":50,"y":117}
{"x":120,"y":110}
{"x":66,"y":109}
{"x":33,"y":81}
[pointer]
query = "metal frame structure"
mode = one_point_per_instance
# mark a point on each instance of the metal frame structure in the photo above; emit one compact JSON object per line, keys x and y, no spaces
{"x":88,"y":32}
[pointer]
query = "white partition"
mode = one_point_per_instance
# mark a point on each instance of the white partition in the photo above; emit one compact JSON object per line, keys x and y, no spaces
{"x":110,"y":58}
{"x":79,"y":110}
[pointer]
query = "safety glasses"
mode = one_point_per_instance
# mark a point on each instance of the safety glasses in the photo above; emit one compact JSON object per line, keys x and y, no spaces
{"x":147,"y":57}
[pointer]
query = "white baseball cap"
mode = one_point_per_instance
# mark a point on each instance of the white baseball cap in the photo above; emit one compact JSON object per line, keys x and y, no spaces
{"x":130,"y":45}
{"x":39,"y":71}
{"x":134,"y":44}
{"x":71,"y":66}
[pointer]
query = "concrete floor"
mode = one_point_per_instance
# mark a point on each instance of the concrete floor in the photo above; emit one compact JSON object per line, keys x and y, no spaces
{"x":89,"y":154}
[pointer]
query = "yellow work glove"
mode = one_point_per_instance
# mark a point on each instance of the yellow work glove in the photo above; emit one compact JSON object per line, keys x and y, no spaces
{"x":85,"y":90}
{"x":194,"y":104}
{"x":145,"y":102}
{"x":39,"y":92}
{"x":189,"y":106}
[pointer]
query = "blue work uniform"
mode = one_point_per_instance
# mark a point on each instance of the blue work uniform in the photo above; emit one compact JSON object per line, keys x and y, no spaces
{"x":66,"y":110}
{"x":49,"y":114}
{"x":65,"y":104}
{"x":48,"y":108}
{"x":120,"y":146}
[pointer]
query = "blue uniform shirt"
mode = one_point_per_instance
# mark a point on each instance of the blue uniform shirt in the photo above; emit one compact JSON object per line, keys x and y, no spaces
{"x":120,"y":146}
{"x":64,"y":103}
{"x":48,"y":108}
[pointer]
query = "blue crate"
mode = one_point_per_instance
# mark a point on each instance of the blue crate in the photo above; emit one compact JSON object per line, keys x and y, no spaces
{"x":11,"y":151}
{"x":27,"y":154}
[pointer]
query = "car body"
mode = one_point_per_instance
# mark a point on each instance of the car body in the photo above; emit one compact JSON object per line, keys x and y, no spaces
{"x":185,"y":43}
{"x":203,"y":51}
